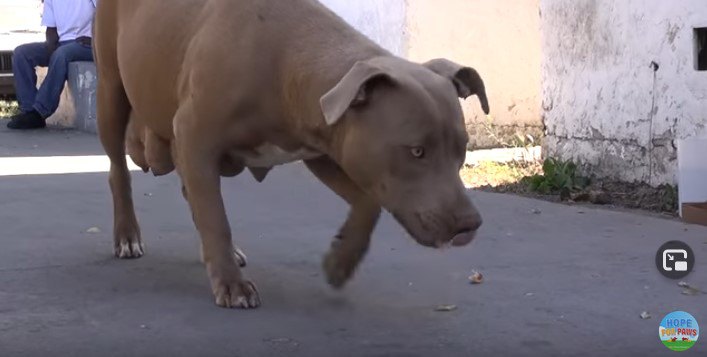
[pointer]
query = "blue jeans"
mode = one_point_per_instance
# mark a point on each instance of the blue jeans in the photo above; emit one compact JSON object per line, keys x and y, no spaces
{"x":24,"y":62}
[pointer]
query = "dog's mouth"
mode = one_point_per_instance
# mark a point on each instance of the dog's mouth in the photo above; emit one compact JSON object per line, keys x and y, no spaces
{"x":463,"y":237}
{"x":435,"y":236}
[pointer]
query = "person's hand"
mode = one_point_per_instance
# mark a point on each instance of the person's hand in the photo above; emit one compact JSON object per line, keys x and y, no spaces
{"x":51,"y":47}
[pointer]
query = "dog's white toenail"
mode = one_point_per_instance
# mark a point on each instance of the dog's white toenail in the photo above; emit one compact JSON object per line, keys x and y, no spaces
{"x":242,"y":302}
{"x":136,"y":249}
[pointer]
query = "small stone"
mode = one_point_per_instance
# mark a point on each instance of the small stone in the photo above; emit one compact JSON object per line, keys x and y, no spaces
{"x":445,"y":308}
{"x":285,"y":341}
{"x":143,"y":326}
{"x":148,"y":194}
{"x":645,"y":315}
{"x":529,"y":294}
{"x":476,"y":277}
{"x":683,"y":284}
{"x":536,"y":211}
{"x":93,"y":230}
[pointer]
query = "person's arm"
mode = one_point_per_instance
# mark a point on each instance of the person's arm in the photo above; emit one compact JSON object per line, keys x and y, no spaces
{"x":52,"y":39}
{"x":48,"y":20}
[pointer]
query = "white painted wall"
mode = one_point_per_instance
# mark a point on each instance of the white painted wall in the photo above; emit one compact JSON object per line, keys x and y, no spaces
{"x":504,"y":46}
{"x":382,"y":21}
{"x":501,"y":40}
{"x":604,"y":106}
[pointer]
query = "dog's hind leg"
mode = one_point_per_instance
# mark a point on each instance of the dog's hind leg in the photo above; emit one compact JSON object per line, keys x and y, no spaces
{"x":351,"y":244}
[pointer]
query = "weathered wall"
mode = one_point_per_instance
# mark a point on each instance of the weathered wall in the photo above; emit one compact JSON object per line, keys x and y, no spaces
{"x":501,"y":39}
{"x":605,"y":105}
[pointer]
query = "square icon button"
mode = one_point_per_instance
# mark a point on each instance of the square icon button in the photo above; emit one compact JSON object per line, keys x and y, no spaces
{"x":680,"y":266}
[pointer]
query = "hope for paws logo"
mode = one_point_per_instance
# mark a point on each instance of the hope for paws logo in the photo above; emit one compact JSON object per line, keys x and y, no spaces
{"x":679,"y":331}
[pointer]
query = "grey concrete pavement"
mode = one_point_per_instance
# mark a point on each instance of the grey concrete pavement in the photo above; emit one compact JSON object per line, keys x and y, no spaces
{"x":570,"y":281}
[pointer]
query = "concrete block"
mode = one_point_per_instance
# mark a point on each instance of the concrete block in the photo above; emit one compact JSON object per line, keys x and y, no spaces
{"x":82,"y":87}
{"x":64,"y":115}
{"x":77,"y":107}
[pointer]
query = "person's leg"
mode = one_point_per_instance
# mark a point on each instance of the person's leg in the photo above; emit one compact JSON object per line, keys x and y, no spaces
{"x":25,"y":59}
{"x":50,"y":91}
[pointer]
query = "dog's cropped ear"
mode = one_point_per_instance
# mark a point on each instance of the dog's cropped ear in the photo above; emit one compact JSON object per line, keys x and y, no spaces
{"x":467,"y":81}
{"x":352,"y":91}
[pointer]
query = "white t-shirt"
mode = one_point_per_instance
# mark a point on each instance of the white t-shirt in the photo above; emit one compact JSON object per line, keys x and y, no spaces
{"x":72,"y":18}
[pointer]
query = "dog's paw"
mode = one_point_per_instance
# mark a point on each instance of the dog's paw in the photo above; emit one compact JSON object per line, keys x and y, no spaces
{"x":127,"y":243}
{"x":239,"y":295}
{"x":337,"y":273}
{"x":229,"y":288}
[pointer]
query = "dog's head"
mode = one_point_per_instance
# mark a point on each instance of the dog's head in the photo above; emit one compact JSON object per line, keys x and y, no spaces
{"x":405,"y":140}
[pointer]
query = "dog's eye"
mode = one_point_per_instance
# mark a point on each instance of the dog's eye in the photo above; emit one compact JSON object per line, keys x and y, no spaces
{"x":418,"y":152}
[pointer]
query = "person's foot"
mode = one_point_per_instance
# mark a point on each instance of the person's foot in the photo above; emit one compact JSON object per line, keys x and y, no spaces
{"x":29,"y":120}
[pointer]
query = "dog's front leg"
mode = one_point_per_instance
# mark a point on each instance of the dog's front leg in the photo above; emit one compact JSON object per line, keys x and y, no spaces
{"x":351,"y":244}
{"x":198,"y":165}
{"x":238,"y":254}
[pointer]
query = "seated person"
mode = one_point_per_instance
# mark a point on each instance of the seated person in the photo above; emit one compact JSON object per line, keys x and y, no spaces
{"x":68,"y":25}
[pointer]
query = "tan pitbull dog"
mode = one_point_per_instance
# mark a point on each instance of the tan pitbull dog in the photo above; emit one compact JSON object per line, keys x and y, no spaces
{"x":214,"y":87}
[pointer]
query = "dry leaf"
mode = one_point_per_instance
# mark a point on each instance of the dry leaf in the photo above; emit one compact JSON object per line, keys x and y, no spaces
{"x":93,"y":230}
{"x":645,"y":315}
{"x":476,"y":277}
{"x":446,"y":308}
{"x":691,"y":291}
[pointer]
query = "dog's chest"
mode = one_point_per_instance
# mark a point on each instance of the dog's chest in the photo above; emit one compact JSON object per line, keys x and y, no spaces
{"x":269,"y":155}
